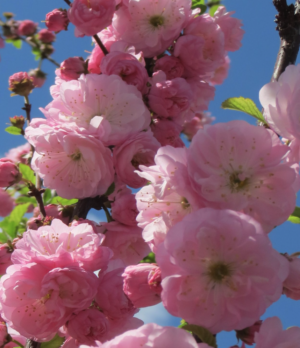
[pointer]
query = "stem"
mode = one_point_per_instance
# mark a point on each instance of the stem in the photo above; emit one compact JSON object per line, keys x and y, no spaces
{"x":27,"y":108}
{"x":32,"y":344}
{"x":108,"y":216}
{"x":288,"y":26}
{"x":37,"y":194}
{"x":83,"y":206}
{"x":40,"y":64}
{"x":100,"y":44}
{"x":18,"y":343}
{"x":68,"y":2}
{"x":52,"y":61}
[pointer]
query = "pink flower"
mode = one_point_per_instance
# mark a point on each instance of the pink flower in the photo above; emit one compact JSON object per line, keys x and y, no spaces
{"x":167,"y":132}
{"x":171,"y":66}
{"x":231,"y":27}
{"x":124,"y":209}
{"x":91,"y":16}
{"x":104,"y":105}
{"x":38,"y":77}
{"x":137,"y":150}
{"x":126,"y":242}
{"x":280,"y":102}
{"x":71,"y":69}
{"x":142,"y":284}
{"x":75,"y":165}
{"x":18,"y":154}
{"x":9,"y":173}
{"x":57,"y":20}
{"x":170,"y":98}
{"x":6,"y":203}
{"x":204,"y":93}
{"x":238,"y":166}
{"x":88,"y":326}
{"x":27,"y":28}
{"x":46,"y":36}
{"x":3,"y":333}
{"x":54,"y":211}
{"x":190,"y":128}
{"x":153,"y":336}
{"x":149,"y":25}
{"x":127,"y":67}
{"x":5,"y":257}
{"x":221,"y":73}
{"x":291,"y":286}
{"x":247,"y":335}
{"x":272,"y":335}
{"x":206,"y":283}
{"x":20,"y":84}
{"x":59,"y":245}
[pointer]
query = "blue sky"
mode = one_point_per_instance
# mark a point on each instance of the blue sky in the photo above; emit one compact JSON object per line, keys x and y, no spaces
{"x":251,"y":68}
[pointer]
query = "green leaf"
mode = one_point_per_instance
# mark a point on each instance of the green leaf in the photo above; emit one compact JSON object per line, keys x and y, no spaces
{"x":150,"y":258}
{"x":56,"y":342}
{"x":245,"y":105}
{"x":26,"y":199}
{"x":111,"y":189}
{"x":63,"y":201}
{"x":27,"y":173}
{"x":36,"y":51}
{"x":17,"y":43}
{"x":199,"y":4}
{"x":182,"y":323}
{"x":13,"y":130}
{"x":14,"y":219}
{"x":295,"y":217}
{"x":47,"y":196}
{"x":213,"y":9}
{"x":204,"y":335}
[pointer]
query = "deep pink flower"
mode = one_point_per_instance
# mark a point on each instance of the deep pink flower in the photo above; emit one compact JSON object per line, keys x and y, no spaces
{"x":272,"y":335}
{"x":124,"y":209}
{"x":91,"y":16}
{"x":167,"y":132}
{"x":6,"y":203}
{"x":9,"y":173}
{"x":71,"y":69}
{"x":46,"y":36}
{"x":142,"y":284}
{"x":57,"y":20}
{"x":5,"y":257}
{"x":291,"y":286}
{"x":238,"y":166}
{"x":27,"y":28}
{"x":204,"y":93}
{"x":171,"y":66}
{"x":247,"y":334}
{"x":206,"y":283}
{"x":221,"y":73}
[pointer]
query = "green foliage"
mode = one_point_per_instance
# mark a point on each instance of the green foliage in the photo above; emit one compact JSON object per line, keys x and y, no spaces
{"x":150,"y":258}
{"x":199,"y":4}
{"x":56,"y":342}
{"x":245,"y":105}
{"x":10,"y":224}
{"x":63,"y":201}
{"x":204,"y":335}
{"x":295,"y":217}
{"x":182,"y":324}
{"x":37,"y":53}
{"x":111,"y":189}
{"x":27,"y":173}
{"x":47,"y":197}
{"x":17,"y":42}
{"x":26,"y":199}
{"x":213,"y":9}
{"x":13,"y":130}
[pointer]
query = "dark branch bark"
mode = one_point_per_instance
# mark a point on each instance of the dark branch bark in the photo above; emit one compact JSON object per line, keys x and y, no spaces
{"x":288,"y":26}
{"x":32,"y":344}
{"x":85,"y":205}
{"x":100,"y":44}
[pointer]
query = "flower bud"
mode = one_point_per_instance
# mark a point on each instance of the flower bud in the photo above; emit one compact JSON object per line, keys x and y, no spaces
{"x":34,"y":223}
{"x":142,"y":284}
{"x":38,"y":77}
{"x":8,"y":15}
{"x":247,"y":334}
{"x":57,"y":20}
{"x":17,"y":121}
{"x":3,"y":333}
{"x":9,"y":173}
{"x":20,"y":84}
{"x":5,"y":257}
{"x":27,"y":28}
{"x":46,"y":49}
{"x":46,"y":36}
{"x":71,"y":68}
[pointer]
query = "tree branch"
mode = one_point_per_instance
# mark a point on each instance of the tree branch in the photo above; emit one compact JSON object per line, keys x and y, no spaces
{"x":83,"y":206}
{"x":100,"y":44}
{"x":288,"y":26}
{"x":32,"y":344}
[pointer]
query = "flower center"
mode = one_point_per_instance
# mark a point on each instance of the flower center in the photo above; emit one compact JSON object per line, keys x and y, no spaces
{"x":157,"y":21}
{"x":76,"y":156}
{"x":185,"y":203}
{"x":219,"y":271}
{"x":237,"y":182}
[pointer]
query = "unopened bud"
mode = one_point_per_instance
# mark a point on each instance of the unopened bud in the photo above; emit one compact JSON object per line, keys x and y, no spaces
{"x":57,"y":20}
{"x":17,"y":121}
{"x":9,"y":173}
{"x":38,"y":77}
{"x":8,"y":15}
{"x":46,"y":36}
{"x":47,"y":49}
{"x":20,"y":84}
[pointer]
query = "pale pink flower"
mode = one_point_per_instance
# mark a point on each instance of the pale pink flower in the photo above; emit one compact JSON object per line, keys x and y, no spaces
{"x":239,"y":166}
{"x":272,"y":335}
{"x":231,"y":27}
{"x":170,"y":98}
{"x":59,"y":245}
{"x":190,"y":128}
{"x":291,"y":286}
{"x":125,"y":241}
{"x":121,"y":325}
{"x":9,"y":173}
{"x":124,"y":209}
{"x":137,"y":150}
{"x":221,"y":73}
{"x":167,"y":132}
{"x":57,"y":20}
{"x":71,"y":69}
{"x":149,"y":25}
{"x":111,"y":298}
{"x":17,"y":154}
{"x":91,"y":16}
{"x":6,"y":203}
{"x":88,"y":326}
{"x":153,"y":336}
{"x":75,"y":165}
{"x":280,"y":100}
{"x":27,"y":28}
{"x":127,"y":67}
{"x":206,"y":283}
{"x":104,"y":105}
{"x":142,"y":284}
{"x":171,"y":66}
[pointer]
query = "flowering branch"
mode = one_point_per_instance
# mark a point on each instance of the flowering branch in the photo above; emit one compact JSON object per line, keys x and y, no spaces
{"x":288,"y":25}
{"x":100,"y":44}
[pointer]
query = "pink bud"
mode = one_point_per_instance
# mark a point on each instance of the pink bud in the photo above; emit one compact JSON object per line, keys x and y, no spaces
{"x":6,"y":204}
{"x":71,"y":68}
{"x":57,"y":20}
{"x":17,"y":121}
{"x":20,"y":84}
{"x":247,"y":335}
{"x":5,"y":259}
{"x":27,"y":28}
{"x":142,"y":284}
{"x":46,"y":36}
{"x":9,"y":173}
{"x":38,"y":77}
{"x":3,"y":333}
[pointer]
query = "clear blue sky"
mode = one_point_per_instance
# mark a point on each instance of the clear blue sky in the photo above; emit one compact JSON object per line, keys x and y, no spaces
{"x":251,"y":68}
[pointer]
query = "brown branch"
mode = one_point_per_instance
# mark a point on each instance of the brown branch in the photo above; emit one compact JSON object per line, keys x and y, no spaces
{"x":68,"y":2}
{"x":288,"y":26}
{"x":83,"y":206}
{"x":27,"y":109}
{"x":32,"y":344}
{"x":100,"y":44}
{"x":37,"y":194}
